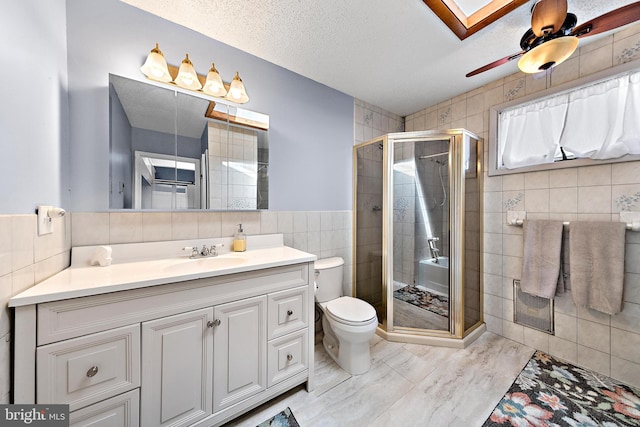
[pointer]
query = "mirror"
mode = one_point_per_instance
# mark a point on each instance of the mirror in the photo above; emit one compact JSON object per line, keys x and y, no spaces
{"x":172,"y":150}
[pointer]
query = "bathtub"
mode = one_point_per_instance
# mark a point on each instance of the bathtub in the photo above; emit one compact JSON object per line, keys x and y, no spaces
{"x":434,"y":276}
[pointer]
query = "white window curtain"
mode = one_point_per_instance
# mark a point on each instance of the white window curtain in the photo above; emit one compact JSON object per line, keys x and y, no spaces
{"x":530,"y":134}
{"x":599,"y":121}
{"x":595,"y":120}
{"x":631,"y":127}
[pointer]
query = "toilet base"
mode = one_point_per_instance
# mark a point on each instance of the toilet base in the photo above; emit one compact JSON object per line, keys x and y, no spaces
{"x":353,"y":357}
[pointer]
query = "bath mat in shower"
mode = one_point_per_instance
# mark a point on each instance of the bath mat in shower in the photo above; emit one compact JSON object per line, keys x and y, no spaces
{"x":551,"y":392}
{"x":424,"y":299}
{"x":283,"y":419}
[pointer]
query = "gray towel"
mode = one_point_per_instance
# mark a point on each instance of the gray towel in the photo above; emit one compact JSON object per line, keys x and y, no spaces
{"x":597,"y":265}
{"x":564,"y":278}
{"x":541,"y":260}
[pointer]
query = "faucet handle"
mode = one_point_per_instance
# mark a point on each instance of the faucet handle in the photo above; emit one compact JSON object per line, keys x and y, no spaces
{"x":193,"y":249}
{"x":213,"y":250}
{"x":433,"y":239}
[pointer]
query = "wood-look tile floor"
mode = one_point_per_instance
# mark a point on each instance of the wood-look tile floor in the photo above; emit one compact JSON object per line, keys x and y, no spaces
{"x":407,"y":385}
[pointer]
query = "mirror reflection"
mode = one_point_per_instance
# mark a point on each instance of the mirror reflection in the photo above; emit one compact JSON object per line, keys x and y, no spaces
{"x":171,"y":150}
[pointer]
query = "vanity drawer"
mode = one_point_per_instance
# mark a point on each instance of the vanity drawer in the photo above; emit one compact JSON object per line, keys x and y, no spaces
{"x":88,"y":369}
{"x":287,"y":311}
{"x":122,"y":410}
{"x":287,"y":356}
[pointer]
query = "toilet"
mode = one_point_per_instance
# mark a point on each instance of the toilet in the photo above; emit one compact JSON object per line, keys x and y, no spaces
{"x":348,"y":323}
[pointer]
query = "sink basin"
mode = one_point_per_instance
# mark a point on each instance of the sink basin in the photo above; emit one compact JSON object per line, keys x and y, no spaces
{"x":206,"y":264}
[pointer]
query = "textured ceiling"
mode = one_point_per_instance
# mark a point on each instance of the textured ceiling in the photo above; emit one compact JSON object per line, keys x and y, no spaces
{"x":153,"y":108}
{"x":395,"y":54}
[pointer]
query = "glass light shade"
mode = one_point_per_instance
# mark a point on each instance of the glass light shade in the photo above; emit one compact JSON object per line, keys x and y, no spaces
{"x":548,"y":54}
{"x":237,"y":92}
{"x":187,"y":76}
{"x":155,"y":67}
{"x":214,"y":86}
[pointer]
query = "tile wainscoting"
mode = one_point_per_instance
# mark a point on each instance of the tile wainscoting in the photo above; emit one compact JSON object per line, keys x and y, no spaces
{"x":27,"y":259}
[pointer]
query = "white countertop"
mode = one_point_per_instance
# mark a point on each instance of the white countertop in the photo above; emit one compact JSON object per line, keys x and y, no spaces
{"x":82,"y":279}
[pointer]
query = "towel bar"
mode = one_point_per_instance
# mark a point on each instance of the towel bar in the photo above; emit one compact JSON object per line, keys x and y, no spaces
{"x":632,"y":219}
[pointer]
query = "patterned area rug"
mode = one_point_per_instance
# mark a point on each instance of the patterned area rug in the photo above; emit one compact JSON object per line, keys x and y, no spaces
{"x":283,"y":419}
{"x":426,"y":300}
{"x":550,"y":392}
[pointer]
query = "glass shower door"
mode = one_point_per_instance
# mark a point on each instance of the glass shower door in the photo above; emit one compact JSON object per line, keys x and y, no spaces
{"x":421,"y":234}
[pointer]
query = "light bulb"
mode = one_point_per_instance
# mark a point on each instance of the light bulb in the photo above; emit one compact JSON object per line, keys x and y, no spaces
{"x":155,"y":67}
{"x":237,"y":92}
{"x":187,"y":77}
{"x":213,"y":85}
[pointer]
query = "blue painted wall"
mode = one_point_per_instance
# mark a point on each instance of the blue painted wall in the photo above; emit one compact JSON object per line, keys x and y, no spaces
{"x":34,"y":130}
{"x":311,"y":135}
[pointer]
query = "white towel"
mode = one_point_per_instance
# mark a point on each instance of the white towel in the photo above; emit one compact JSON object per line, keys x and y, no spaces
{"x":541,"y":258}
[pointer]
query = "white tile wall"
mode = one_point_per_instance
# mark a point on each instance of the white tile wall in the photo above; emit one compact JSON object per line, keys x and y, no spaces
{"x":25,"y":259}
{"x":324,"y":234}
{"x":371,"y":121}
{"x":607,"y":344}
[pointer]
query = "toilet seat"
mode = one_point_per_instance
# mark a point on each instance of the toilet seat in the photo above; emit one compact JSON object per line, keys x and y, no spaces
{"x":350,"y":311}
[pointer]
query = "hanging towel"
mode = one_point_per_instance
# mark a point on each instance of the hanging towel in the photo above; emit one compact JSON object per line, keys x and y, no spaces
{"x":541,"y":258}
{"x":597,"y":265}
{"x":564,"y":278}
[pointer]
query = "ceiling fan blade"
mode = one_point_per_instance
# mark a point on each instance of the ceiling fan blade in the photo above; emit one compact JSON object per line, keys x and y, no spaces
{"x":609,"y":21}
{"x":496,"y":63}
{"x":547,"y":16}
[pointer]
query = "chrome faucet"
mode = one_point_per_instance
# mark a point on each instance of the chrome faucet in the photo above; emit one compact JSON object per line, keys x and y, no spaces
{"x":210,"y":251}
{"x":433,"y":248}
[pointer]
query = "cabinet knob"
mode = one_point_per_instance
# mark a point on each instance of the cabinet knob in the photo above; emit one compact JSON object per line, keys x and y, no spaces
{"x":211,"y":324}
{"x":289,"y":312}
{"x":92,"y":371}
{"x":289,"y":357}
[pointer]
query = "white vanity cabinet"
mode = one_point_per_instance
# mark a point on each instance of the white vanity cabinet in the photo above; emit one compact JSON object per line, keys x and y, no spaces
{"x":195,"y":352}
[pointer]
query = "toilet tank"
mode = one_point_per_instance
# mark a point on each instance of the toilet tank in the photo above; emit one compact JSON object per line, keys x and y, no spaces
{"x":328,"y":278}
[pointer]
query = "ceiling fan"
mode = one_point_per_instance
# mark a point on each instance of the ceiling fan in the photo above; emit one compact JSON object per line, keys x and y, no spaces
{"x":553,"y":35}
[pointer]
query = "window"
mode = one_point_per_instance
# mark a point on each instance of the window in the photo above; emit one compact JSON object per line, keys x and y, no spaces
{"x":597,"y":120}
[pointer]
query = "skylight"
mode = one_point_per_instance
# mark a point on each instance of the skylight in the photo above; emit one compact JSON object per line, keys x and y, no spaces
{"x":465,"y":17}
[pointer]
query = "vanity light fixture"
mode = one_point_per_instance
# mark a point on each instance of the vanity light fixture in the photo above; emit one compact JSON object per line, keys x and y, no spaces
{"x":187,"y":76}
{"x":548,"y":54}
{"x":155,"y":67}
{"x":237,"y":93}
{"x":213,"y":85}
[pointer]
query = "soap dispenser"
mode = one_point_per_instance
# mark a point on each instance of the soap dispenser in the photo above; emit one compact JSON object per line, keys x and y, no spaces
{"x":240,"y":240}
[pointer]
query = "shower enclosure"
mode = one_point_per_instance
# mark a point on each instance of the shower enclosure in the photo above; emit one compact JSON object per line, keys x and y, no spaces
{"x":417,"y":234}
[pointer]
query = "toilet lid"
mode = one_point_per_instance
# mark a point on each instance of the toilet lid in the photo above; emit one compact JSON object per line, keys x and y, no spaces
{"x":351,"y":309}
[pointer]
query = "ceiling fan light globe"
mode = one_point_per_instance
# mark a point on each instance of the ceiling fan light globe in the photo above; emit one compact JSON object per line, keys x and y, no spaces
{"x":548,"y":54}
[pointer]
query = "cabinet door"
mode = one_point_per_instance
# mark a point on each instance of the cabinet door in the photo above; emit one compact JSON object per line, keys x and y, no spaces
{"x":240,"y":343}
{"x":176,"y":369}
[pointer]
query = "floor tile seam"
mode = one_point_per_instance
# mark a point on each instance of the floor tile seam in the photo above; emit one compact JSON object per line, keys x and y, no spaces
{"x":332,"y":387}
{"x":413,"y":383}
{"x":389,"y":406}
